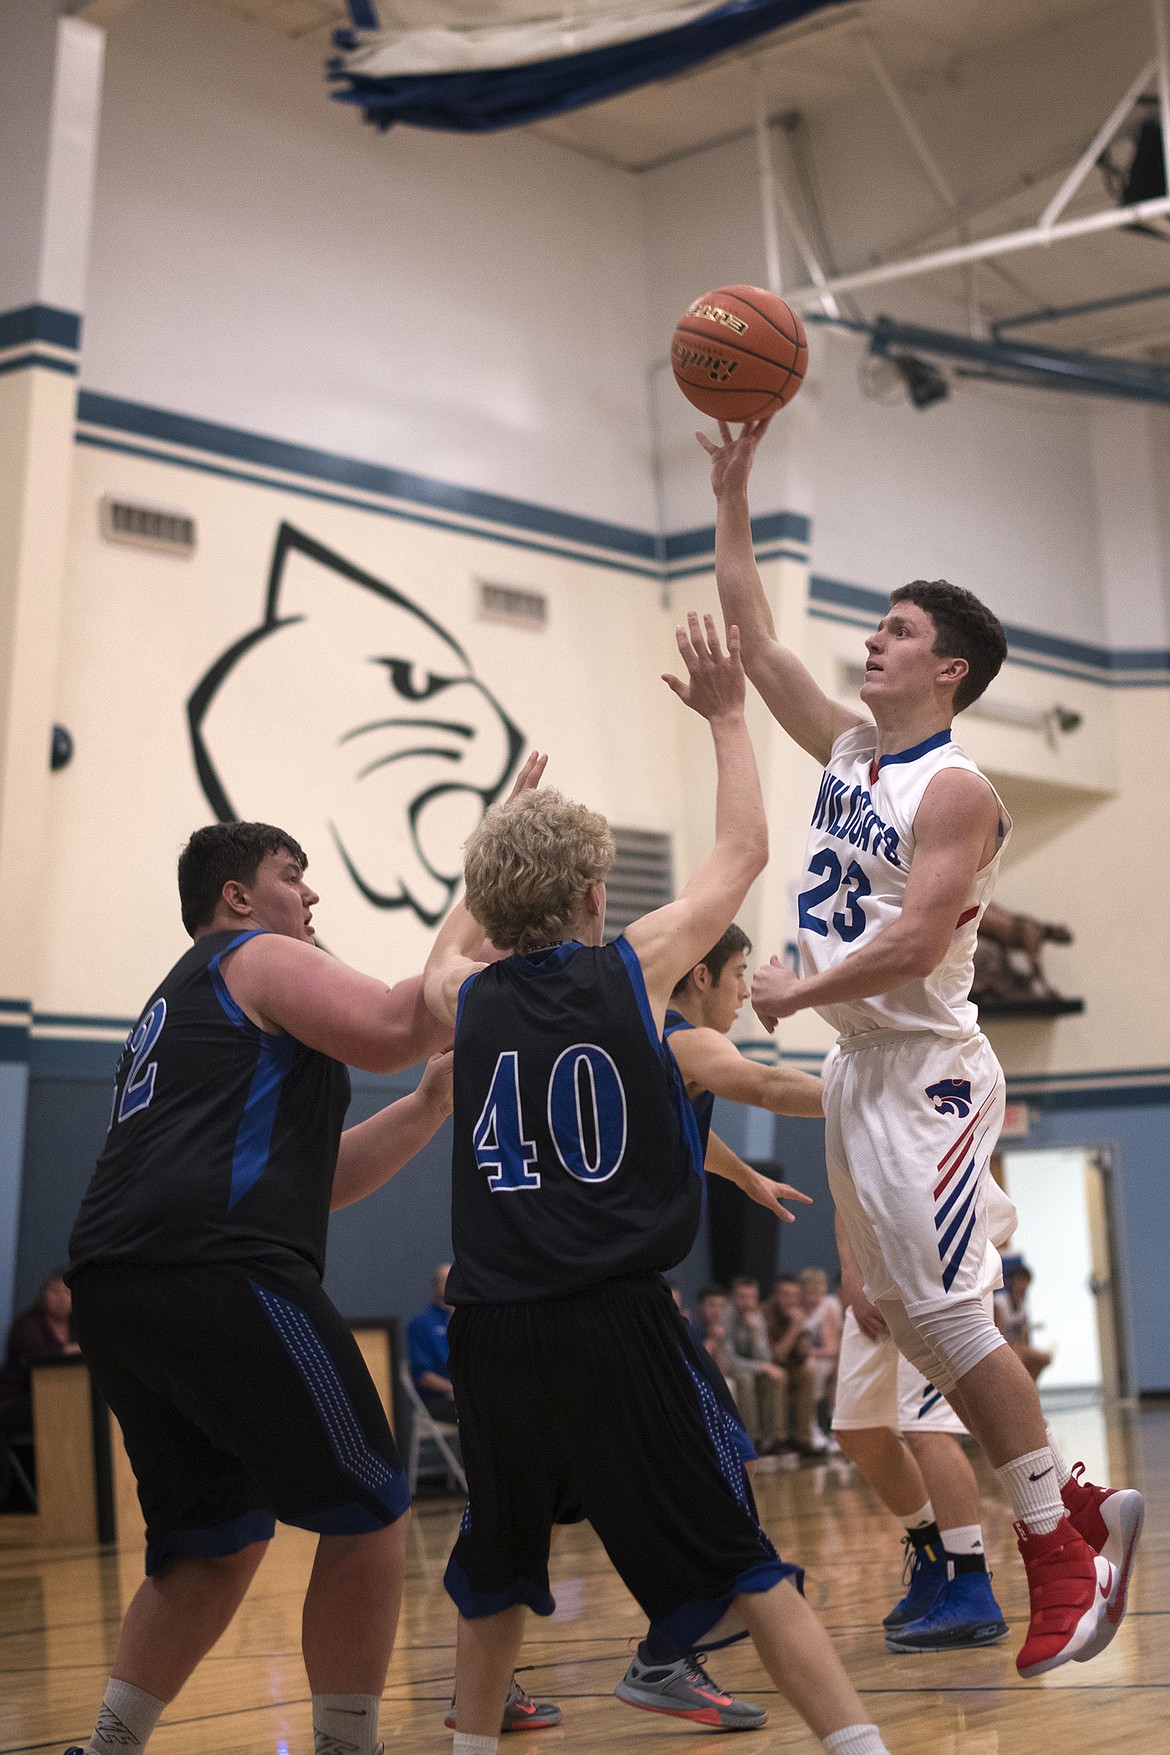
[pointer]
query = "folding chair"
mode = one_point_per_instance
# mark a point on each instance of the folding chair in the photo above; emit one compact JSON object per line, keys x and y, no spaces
{"x":424,"y":1427}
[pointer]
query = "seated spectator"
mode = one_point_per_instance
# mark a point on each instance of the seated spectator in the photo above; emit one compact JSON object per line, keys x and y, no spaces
{"x":709,"y":1326}
{"x":43,"y":1331}
{"x":823,"y":1322}
{"x":784,"y":1315}
{"x":761,"y":1386}
{"x":429,"y":1352}
{"x":1013,"y":1318}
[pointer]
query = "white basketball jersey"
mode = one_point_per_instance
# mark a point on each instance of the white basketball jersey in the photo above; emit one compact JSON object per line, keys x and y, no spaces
{"x":858,"y":858}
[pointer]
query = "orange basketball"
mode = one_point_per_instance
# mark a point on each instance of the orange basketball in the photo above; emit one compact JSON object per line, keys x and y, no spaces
{"x":739,"y":353}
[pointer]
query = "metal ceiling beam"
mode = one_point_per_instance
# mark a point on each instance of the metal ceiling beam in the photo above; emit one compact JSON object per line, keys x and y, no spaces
{"x":1004,"y":245}
{"x":909,"y":127}
{"x":1097,"y":146}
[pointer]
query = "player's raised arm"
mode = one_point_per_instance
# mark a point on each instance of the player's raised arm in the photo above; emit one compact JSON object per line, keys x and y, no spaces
{"x":709,"y":1061}
{"x":804,"y":710}
{"x":670,"y":941}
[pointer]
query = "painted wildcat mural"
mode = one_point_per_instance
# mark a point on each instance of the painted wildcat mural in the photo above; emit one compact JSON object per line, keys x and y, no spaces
{"x":353,"y":719}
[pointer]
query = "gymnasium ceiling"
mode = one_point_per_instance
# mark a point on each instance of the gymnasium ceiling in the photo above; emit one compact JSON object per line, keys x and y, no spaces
{"x":944,"y":57}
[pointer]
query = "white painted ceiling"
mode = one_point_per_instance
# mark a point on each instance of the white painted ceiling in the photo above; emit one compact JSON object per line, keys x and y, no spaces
{"x":1006,"y":93}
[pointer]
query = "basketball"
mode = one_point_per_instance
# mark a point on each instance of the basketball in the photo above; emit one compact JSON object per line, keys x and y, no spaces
{"x":739,"y":353}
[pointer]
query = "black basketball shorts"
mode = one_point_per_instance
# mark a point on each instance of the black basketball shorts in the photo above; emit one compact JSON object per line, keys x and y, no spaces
{"x":243,"y":1400}
{"x":600,"y":1405}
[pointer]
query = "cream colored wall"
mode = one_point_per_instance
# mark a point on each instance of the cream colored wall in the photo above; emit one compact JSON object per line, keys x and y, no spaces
{"x":141,"y":630}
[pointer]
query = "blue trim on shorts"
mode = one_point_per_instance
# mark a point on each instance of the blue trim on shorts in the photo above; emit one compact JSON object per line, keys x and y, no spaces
{"x":686,"y":1625}
{"x":727,"y":1438}
{"x":348,"y":1520}
{"x":354,"y":1454}
{"x":474,"y":1604}
{"x":208,"y":1542}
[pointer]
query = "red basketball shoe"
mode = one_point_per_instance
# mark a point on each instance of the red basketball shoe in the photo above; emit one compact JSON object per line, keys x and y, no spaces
{"x":1070,"y":1588}
{"x":1110,"y":1519}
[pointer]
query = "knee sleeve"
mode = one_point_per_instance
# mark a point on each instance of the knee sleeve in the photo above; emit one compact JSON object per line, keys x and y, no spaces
{"x":961,"y":1334}
{"x":912,"y":1345}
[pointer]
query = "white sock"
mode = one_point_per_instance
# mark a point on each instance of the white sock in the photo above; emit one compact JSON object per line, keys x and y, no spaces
{"x":1033,"y":1489}
{"x":127,"y":1717}
{"x":856,"y":1740}
{"x":345,"y":1724}
{"x":465,"y":1744}
{"x":1062,"y":1473}
{"x":918,"y":1519}
{"x":967,"y":1538}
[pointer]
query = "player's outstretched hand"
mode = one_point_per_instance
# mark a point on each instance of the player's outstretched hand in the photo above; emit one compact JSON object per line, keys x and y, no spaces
{"x":731,"y":460}
{"x":435,"y":1088}
{"x":528,"y":779}
{"x":775,"y":993}
{"x":767,"y":1193}
{"x":715,"y":686}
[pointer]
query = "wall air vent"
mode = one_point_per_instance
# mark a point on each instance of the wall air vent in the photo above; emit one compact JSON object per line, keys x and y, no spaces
{"x":150,"y":527}
{"x":642,"y":878}
{"x":511,"y":604}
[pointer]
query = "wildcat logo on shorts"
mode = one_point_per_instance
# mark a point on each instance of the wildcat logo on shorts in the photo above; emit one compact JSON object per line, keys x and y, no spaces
{"x":353,"y":719}
{"x":951,"y":1096}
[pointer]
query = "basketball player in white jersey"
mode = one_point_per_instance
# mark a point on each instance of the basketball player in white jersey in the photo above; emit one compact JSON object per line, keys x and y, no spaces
{"x":902,"y":858}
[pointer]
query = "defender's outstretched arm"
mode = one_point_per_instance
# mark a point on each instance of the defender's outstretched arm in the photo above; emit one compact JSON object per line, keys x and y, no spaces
{"x":671,"y":941}
{"x":807,"y":714}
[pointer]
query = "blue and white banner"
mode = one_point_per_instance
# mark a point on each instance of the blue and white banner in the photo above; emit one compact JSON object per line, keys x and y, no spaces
{"x":480,"y":78}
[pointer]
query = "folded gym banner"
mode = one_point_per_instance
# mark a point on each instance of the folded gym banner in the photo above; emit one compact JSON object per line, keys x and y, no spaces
{"x":480,"y":78}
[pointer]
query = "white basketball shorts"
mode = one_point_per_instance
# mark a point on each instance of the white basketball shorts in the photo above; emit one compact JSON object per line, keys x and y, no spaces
{"x":911,"y":1120}
{"x":876,"y":1386}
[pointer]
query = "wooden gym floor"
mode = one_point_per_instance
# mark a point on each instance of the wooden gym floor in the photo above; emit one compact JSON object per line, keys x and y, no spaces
{"x":60,"y":1610}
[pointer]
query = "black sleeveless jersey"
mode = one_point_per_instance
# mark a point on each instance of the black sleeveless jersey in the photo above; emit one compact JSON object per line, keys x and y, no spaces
{"x":223,"y":1137}
{"x":703,"y":1102}
{"x":576,"y":1153}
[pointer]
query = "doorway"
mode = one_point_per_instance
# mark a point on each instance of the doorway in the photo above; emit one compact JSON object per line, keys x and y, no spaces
{"x":1065,"y":1235}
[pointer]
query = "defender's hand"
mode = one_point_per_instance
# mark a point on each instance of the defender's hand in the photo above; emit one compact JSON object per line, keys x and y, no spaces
{"x":767,"y":1193}
{"x":436,"y":1088}
{"x":715,"y":686}
{"x":529,"y":776}
{"x":731,"y":462}
{"x":775,"y":993}
{"x":870,"y":1320}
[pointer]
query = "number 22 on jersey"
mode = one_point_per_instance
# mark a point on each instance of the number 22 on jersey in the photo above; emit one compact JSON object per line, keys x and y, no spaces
{"x":586,"y":1108}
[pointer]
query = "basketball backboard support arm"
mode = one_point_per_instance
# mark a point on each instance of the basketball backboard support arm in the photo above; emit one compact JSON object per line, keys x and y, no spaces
{"x":1049,"y":229}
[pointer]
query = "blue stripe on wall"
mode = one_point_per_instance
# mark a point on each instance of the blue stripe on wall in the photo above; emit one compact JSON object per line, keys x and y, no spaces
{"x":683,"y":545}
{"x":863,"y":600}
{"x":23,"y":362}
{"x":396,"y":484}
{"x":40,"y":323}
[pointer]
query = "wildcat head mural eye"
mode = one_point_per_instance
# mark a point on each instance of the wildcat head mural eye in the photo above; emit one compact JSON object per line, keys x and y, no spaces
{"x":294,"y":724}
{"x":416,"y":685}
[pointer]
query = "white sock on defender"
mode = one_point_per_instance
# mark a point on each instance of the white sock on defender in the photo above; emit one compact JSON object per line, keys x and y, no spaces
{"x":469,"y":1745}
{"x":966,"y":1539}
{"x":1033,"y":1490}
{"x":345,"y":1724}
{"x":1062,"y":1474}
{"x":856,"y":1740}
{"x":127,"y":1717}
{"x":919,"y":1519}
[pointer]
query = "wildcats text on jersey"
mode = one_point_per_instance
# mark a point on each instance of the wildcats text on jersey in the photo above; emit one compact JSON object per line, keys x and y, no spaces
{"x":847,"y":813}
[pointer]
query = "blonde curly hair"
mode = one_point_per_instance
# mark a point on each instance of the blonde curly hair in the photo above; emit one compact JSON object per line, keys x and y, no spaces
{"x":528,"y":865}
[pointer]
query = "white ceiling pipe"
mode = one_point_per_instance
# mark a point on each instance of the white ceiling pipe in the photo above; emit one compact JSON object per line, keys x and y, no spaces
{"x":1004,"y":245}
{"x":909,"y":127}
{"x":766,"y":173}
{"x":820,"y":287}
{"x":1097,"y":146}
